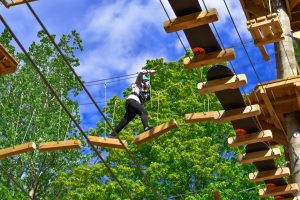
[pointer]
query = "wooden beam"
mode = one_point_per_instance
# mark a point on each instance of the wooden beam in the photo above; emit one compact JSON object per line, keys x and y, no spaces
{"x":296,"y":35}
{"x":209,"y":58}
{"x":264,"y":53}
{"x":108,"y":142}
{"x":232,"y":82}
{"x":155,"y":132}
{"x":250,"y":138}
{"x":15,"y":2}
{"x":259,"y":156}
{"x":191,"y":20}
{"x":255,"y":9}
{"x":224,"y":116}
{"x":270,"y":108}
{"x":278,"y":134}
{"x":60,"y":145}
{"x":280,"y":190}
{"x":18,"y":149}
{"x":269,"y":175}
{"x":293,"y":4}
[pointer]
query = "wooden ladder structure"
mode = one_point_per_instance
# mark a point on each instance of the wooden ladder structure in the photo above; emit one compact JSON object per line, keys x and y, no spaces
{"x":248,"y":138}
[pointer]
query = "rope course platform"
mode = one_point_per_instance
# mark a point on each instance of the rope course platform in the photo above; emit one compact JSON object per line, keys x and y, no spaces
{"x":278,"y":97}
{"x":265,"y":30}
{"x":8,"y":64}
{"x":9,"y":3}
{"x":108,"y":142}
{"x":263,"y":25}
{"x":155,"y":132}
{"x":18,"y":149}
{"x":59,"y":145}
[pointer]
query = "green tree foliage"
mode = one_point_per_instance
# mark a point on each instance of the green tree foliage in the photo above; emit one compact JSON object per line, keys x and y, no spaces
{"x":29,"y":112}
{"x":186,"y":163}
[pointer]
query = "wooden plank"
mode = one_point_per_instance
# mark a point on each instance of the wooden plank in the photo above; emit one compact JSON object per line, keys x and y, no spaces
{"x":232,"y":82}
{"x":293,"y":4}
{"x":269,"y":175}
{"x":250,"y":138}
{"x":224,"y":116}
{"x":18,"y":149}
{"x":280,"y":190}
{"x":256,"y":9}
{"x":59,"y":145}
{"x":265,"y":41}
{"x":15,"y":2}
{"x":191,"y":20}
{"x":108,"y":142}
{"x":155,"y":132}
{"x":278,"y":134}
{"x":209,"y":58}
{"x":261,"y":22}
{"x":259,"y":156}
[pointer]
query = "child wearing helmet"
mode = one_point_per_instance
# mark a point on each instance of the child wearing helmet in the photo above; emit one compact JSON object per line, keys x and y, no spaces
{"x":140,"y":93}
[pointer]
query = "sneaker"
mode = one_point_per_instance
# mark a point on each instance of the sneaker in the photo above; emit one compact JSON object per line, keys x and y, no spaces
{"x":148,"y":128}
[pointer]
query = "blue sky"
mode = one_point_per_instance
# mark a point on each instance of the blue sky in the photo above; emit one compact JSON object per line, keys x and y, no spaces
{"x":120,"y":35}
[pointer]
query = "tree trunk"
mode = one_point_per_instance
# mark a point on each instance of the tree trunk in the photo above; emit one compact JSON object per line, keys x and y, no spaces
{"x":286,"y":66}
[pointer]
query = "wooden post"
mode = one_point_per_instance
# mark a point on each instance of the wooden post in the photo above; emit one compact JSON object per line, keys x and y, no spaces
{"x":286,"y":66}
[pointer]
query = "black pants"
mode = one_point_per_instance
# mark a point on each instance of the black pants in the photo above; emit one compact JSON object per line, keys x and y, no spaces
{"x":133,"y":108}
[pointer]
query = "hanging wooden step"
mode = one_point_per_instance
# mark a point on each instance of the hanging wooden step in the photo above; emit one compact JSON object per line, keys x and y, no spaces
{"x":224,"y":116}
{"x":217,"y":195}
{"x":250,"y":138}
{"x":208,"y":58}
{"x":279,"y":190}
{"x":232,"y":82}
{"x":9,"y":3}
{"x":269,"y":175}
{"x":60,"y":145}
{"x":259,"y":156}
{"x":8,"y":64}
{"x":191,"y":21}
{"x":18,"y":149}
{"x":155,"y":132}
{"x":108,"y":142}
{"x":265,"y":30}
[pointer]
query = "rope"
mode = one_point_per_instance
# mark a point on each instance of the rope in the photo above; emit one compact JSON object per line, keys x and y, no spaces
{"x":105,"y":106}
{"x":92,"y":99}
{"x":63,"y":105}
{"x":28,"y":126}
{"x":111,"y":78}
{"x":157,"y":108}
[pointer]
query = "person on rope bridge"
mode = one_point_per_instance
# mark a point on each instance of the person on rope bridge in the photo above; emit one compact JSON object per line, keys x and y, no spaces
{"x":140,"y":93}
